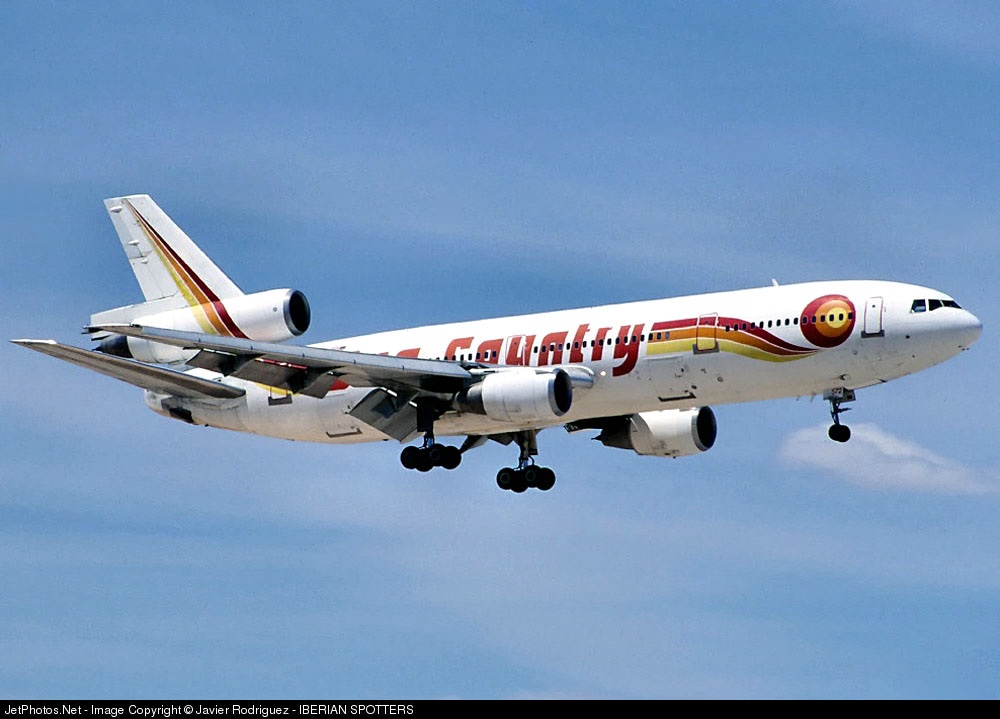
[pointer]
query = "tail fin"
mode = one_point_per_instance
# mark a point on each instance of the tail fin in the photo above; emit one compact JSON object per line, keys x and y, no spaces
{"x":165,"y":260}
{"x":173,"y":272}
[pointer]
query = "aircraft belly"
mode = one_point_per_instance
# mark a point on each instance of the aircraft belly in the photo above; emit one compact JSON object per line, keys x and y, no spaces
{"x":275,"y":413}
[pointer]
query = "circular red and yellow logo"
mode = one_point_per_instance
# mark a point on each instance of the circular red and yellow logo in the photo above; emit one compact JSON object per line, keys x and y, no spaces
{"x":828,"y":321}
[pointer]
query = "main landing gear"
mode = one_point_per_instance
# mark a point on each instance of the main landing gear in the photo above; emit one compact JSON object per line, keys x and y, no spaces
{"x":839,"y":432}
{"x":527,"y":473}
{"x":430,"y":454}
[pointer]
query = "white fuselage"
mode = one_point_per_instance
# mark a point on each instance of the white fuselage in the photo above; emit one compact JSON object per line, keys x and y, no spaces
{"x":711,"y":349}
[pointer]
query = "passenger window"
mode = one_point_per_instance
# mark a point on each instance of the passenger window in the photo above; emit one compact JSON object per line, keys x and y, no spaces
{"x":918,"y":306}
{"x":934,"y":305}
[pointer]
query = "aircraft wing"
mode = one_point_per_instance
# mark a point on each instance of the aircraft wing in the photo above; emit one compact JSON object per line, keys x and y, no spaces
{"x":302,"y":369}
{"x":158,"y":379}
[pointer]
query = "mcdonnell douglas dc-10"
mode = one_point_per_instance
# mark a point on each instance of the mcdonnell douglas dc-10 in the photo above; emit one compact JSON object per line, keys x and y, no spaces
{"x":644,"y":375}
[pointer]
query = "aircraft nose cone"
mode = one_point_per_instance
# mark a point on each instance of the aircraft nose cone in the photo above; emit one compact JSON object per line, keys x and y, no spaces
{"x":969,"y":330}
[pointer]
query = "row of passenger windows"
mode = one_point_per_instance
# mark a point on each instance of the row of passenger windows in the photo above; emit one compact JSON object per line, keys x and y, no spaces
{"x":552,"y":347}
{"x":658,"y":336}
{"x":931,"y":305}
{"x":832,"y":317}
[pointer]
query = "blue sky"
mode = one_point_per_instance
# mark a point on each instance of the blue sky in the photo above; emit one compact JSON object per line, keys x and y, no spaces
{"x":412,"y":163}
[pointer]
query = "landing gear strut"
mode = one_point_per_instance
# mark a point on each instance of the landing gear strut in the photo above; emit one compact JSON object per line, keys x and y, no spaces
{"x":527,"y":473}
{"x":430,"y":454}
{"x":839,"y":432}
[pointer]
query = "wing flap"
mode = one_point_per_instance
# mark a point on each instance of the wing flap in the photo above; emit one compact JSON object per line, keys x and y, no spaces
{"x":158,"y":379}
{"x":389,"y":413}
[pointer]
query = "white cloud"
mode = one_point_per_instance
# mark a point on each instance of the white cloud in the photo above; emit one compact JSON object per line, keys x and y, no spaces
{"x":877,"y":460}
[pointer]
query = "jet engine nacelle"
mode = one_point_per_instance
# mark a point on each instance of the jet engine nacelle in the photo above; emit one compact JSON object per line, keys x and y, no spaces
{"x":664,"y":433}
{"x":271,"y":316}
{"x":519,"y":395}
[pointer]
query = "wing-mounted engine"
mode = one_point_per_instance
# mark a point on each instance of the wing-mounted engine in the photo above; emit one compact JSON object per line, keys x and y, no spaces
{"x":663,"y":433}
{"x":270,"y":316}
{"x":519,"y":395}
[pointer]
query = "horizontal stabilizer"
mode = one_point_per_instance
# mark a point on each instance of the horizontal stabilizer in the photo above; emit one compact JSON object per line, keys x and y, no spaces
{"x":157,"y":379}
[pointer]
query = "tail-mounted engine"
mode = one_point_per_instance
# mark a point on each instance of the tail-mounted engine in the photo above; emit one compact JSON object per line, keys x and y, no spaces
{"x":271,"y":316}
{"x":663,"y":433}
{"x":519,"y":395}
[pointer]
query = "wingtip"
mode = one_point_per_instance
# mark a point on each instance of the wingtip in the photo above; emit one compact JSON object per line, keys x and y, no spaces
{"x":28,"y":342}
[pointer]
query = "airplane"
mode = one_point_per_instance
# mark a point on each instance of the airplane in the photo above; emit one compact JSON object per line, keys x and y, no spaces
{"x":644,"y":375}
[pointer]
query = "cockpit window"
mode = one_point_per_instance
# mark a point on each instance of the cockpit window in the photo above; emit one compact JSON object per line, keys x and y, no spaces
{"x":931,"y":305}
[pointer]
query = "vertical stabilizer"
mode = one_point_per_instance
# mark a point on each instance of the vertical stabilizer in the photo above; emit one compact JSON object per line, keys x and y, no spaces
{"x":171,"y":269}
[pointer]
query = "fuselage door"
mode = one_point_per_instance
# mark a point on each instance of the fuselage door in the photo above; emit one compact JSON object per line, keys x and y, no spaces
{"x":873,"y":318}
{"x":706,"y":339}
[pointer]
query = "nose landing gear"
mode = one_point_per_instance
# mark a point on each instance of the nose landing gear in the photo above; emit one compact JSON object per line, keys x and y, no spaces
{"x":839,"y":432}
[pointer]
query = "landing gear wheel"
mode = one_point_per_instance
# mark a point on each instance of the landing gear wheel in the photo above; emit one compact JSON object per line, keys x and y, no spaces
{"x":435,"y":453}
{"x":410,"y":457}
{"x":530,"y":474}
{"x":424,"y":462}
{"x":505,"y":477}
{"x":520,"y":483}
{"x":545,"y":479}
{"x":839,"y":432}
{"x":451,"y":457}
